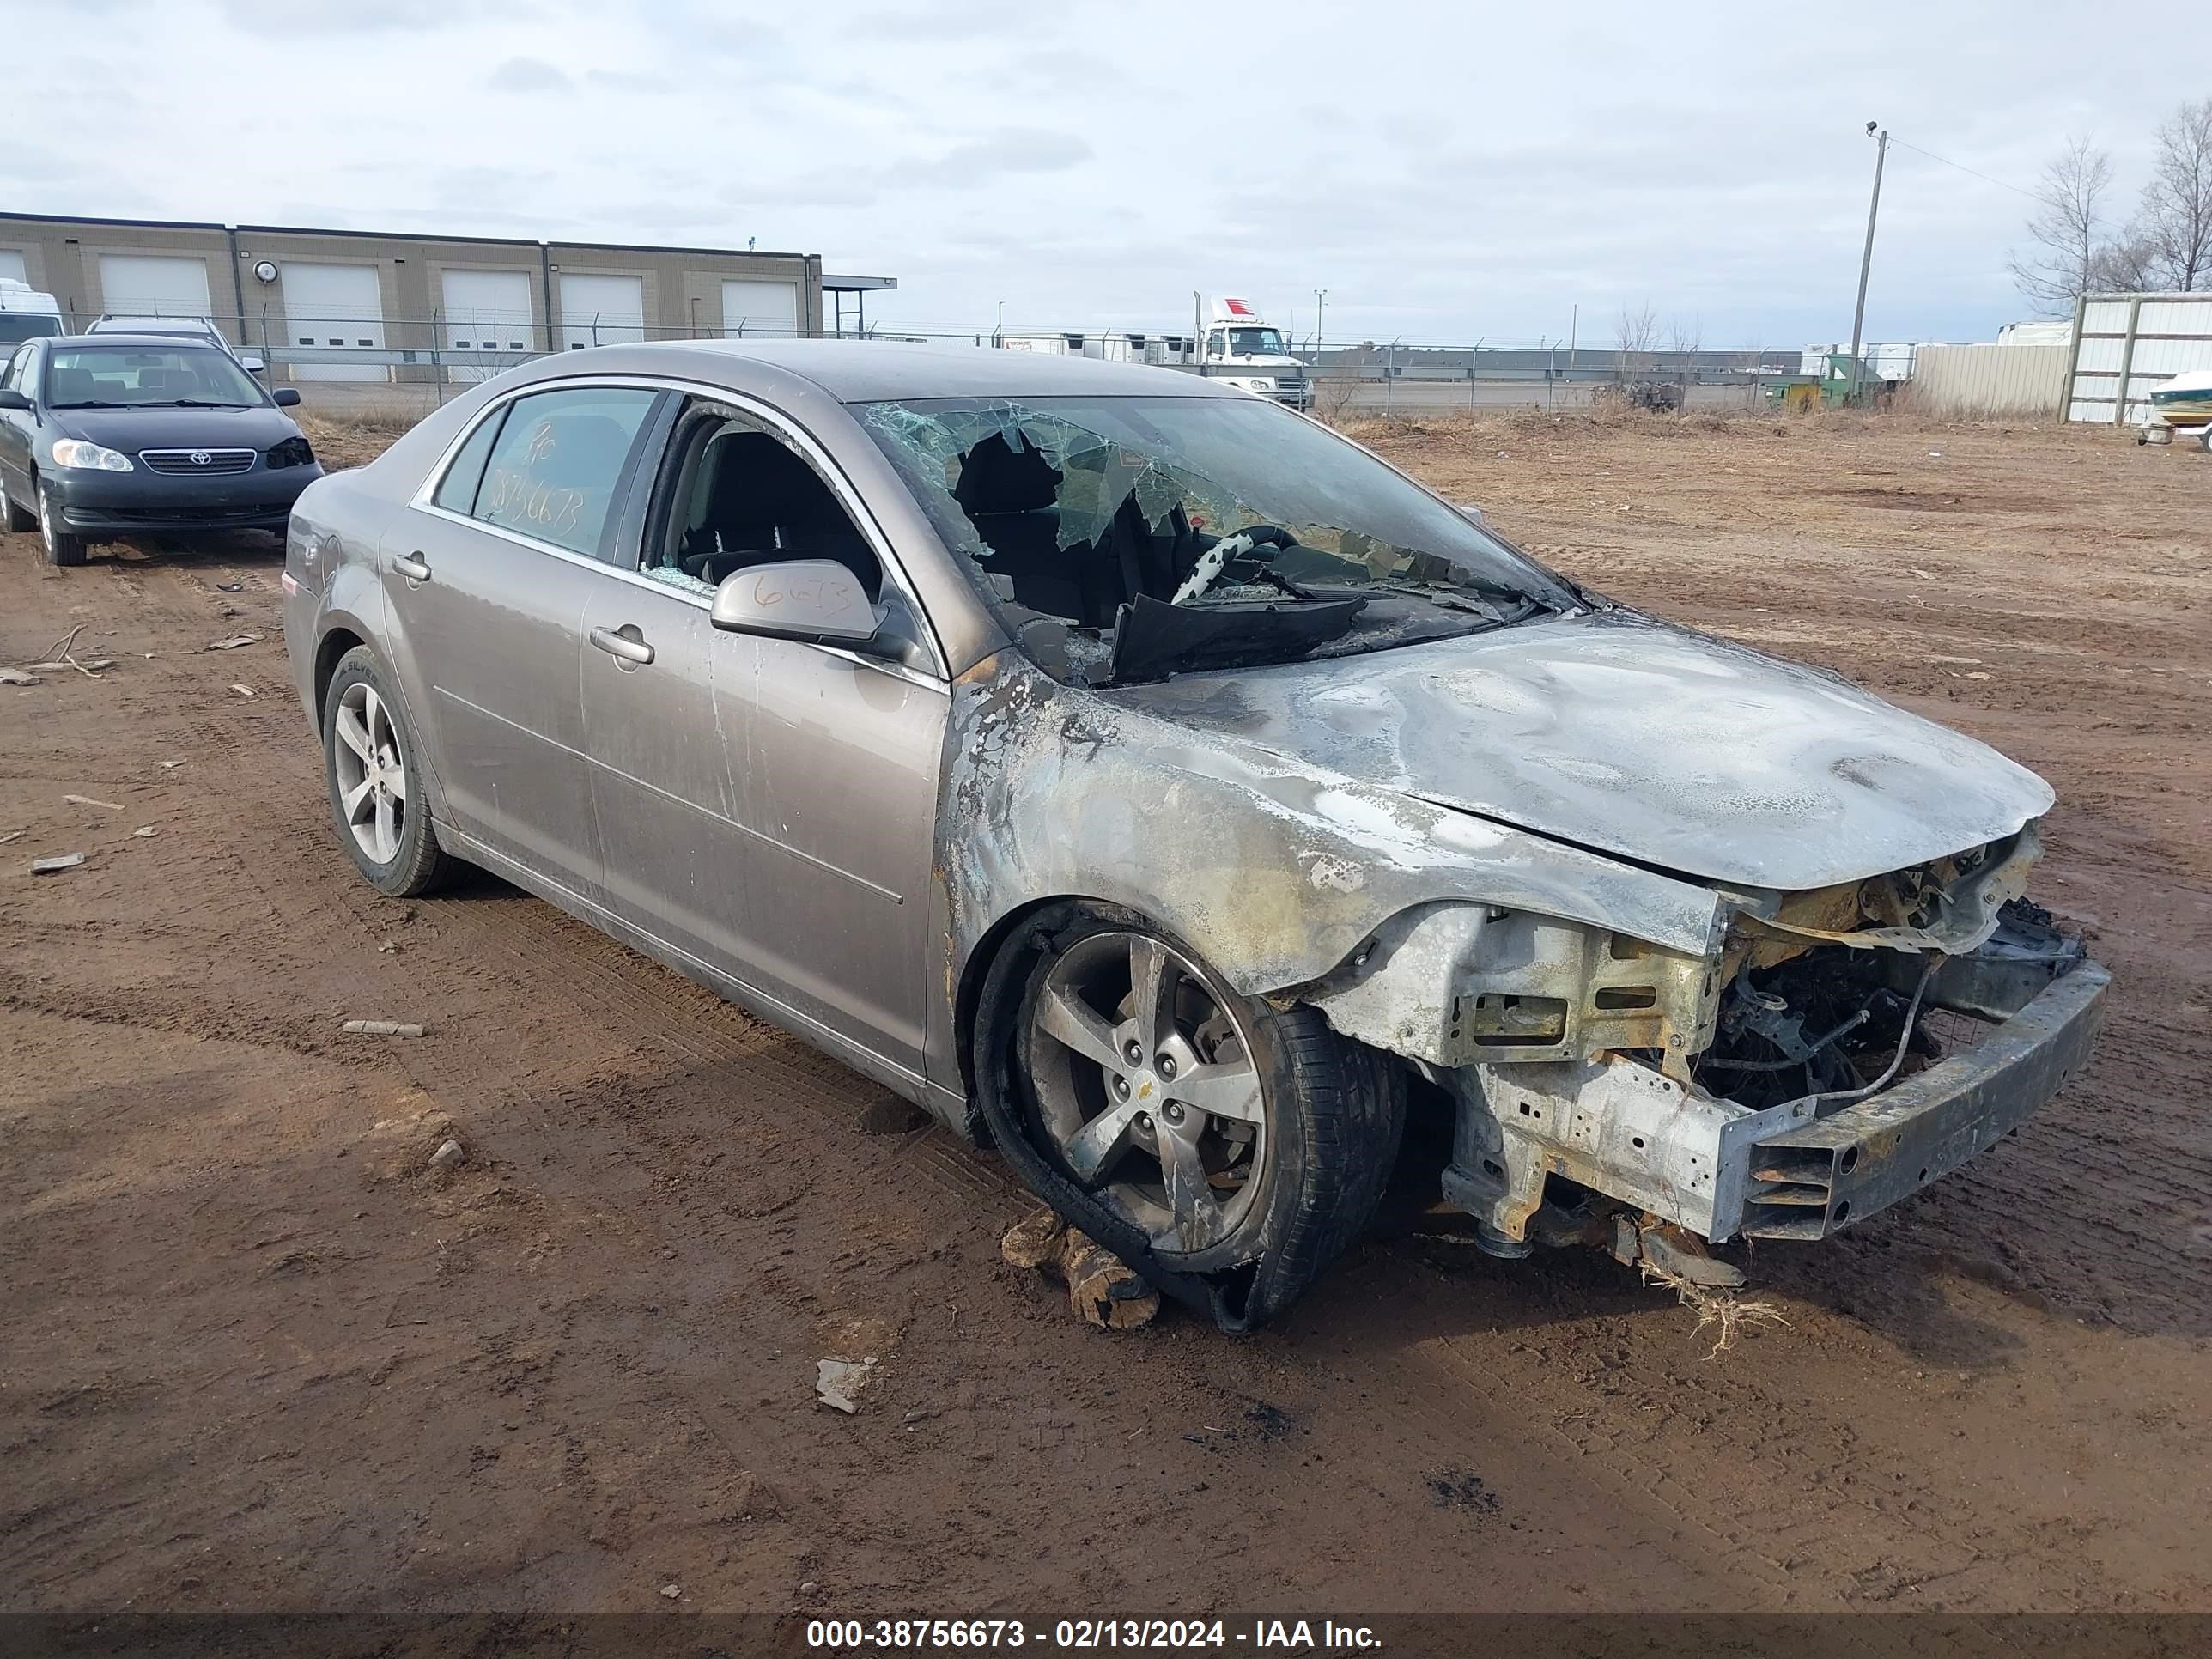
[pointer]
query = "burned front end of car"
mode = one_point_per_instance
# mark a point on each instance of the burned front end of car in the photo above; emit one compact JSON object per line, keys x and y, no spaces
{"x":1833,"y":1051}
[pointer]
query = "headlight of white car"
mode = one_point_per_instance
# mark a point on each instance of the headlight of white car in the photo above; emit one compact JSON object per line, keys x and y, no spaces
{"x":76,"y":451}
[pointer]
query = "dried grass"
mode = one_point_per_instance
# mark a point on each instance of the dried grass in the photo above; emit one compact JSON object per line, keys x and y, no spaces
{"x":352,"y":440}
{"x":1725,"y":1309}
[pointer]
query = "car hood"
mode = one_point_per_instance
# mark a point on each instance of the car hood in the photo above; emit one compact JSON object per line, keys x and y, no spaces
{"x":1632,"y":737}
{"x":133,"y":429}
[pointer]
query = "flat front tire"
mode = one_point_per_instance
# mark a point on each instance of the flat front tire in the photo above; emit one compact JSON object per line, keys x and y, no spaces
{"x":369,"y":764}
{"x":1207,"y":1137}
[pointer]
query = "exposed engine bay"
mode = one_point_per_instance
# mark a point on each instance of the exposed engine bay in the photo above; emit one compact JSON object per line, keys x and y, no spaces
{"x":1603,"y":1084}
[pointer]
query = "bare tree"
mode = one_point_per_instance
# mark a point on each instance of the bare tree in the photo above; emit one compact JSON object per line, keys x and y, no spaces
{"x":1685,"y":337}
{"x":2129,"y":265}
{"x":2175,"y":217}
{"x":2066,"y":229}
{"x":1635,"y":333}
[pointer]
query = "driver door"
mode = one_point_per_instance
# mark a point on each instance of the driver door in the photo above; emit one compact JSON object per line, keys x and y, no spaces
{"x":767,"y":806}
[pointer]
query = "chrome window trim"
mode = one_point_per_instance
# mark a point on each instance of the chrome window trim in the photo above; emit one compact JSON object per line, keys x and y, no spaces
{"x":894,"y":572}
{"x":638,"y":579}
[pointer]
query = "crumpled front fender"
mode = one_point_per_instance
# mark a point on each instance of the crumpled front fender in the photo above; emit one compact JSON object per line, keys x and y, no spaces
{"x":1276,"y":871}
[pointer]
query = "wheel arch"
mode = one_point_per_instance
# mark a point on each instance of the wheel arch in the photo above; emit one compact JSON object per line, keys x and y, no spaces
{"x":342,"y":632}
{"x":330,"y":651}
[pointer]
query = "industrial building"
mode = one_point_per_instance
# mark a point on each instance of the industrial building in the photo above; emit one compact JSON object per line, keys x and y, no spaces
{"x":340,"y":305}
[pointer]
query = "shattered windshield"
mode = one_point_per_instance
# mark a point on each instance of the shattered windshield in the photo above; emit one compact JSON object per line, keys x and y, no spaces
{"x":1125,"y":538}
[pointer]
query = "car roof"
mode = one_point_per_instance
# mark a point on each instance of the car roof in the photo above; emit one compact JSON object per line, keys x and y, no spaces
{"x":118,"y":321}
{"x":116,"y":337}
{"x":863,"y":371}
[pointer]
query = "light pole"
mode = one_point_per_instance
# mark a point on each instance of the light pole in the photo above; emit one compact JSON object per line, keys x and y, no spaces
{"x":1866,"y":259}
{"x":1321,"y":295}
{"x":999,"y":328}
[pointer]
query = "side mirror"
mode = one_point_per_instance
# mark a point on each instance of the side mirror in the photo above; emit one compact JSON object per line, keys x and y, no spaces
{"x":814,"y":599}
{"x":253,"y":365}
{"x":1470,"y":512}
{"x":286,"y":396}
{"x":13,"y":399}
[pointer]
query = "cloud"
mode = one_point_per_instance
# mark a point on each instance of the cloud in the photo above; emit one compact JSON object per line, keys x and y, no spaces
{"x":337,"y":16}
{"x":1446,"y":172}
{"x":624,"y":81}
{"x":954,"y":20}
{"x":528,"y":74}
{"x":1007,"y":150}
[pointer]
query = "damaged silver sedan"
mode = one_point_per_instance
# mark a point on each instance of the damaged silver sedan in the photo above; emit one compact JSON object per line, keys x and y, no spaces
{"x":1166,"y":791}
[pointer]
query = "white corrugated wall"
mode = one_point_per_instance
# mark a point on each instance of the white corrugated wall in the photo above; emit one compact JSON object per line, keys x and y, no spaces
{"x":1989,"y":379}
{"x":2152,"y":337}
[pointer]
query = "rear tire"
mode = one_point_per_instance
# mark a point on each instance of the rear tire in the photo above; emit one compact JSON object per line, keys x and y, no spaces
{"x":1272,"y":1185}
{"x":370,"y":765}
{"x":13,"y":515}
{"x":61,"y":548}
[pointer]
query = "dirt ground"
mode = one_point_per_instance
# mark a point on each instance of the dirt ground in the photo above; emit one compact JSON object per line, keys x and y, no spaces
{"x":259,"y":1355}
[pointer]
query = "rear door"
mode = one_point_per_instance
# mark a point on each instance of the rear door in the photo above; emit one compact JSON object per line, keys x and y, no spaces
{"x":486,"y":581}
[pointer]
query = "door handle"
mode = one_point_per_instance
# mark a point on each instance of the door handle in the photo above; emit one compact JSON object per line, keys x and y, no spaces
{"x":413,"y":566}
{"x":622,"y":646}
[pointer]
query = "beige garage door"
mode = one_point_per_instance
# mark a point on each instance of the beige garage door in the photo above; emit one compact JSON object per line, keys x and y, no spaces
{"x":751,"y":309}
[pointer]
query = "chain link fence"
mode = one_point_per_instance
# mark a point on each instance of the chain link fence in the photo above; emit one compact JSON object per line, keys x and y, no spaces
{"x":409,"y":366}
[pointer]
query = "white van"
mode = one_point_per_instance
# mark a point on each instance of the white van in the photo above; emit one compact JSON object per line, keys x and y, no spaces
{"x":25,"y":313}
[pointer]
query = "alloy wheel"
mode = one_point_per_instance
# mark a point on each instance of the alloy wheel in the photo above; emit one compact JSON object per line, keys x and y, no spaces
{"x":372,"y":772}
{"x":1145,"y":1084}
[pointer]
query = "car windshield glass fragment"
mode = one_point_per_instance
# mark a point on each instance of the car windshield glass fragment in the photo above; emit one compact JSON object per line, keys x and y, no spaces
{"x":1124,"y":538}
{"x":140,"y":377}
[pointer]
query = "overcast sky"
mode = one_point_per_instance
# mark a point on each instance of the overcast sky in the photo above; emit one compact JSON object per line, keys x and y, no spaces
{"x":1447,"y":171}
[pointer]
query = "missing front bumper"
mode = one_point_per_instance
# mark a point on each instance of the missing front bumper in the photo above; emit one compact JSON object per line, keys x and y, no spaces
{"x":1722,"y":1170}
{"x":1810,"y":1180}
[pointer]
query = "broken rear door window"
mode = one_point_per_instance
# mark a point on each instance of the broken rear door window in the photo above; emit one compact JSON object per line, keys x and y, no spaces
{"x":1124,"y":538}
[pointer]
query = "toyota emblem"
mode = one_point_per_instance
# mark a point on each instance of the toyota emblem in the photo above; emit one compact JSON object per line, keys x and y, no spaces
{"x":201,"y":458}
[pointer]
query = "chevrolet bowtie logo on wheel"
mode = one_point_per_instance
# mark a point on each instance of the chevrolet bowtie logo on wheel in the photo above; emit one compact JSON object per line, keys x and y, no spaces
{"x":201,"y":458}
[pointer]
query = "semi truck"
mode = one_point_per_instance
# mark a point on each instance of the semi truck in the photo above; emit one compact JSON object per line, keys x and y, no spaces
{"x":1235,"y":343}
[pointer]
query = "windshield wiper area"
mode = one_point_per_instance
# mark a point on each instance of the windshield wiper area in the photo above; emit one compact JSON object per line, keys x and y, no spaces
{"x":1152,"y":638}
{"x":92,"y":403}
{"x":1500,"y":604}
{"x":203,"y":402}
